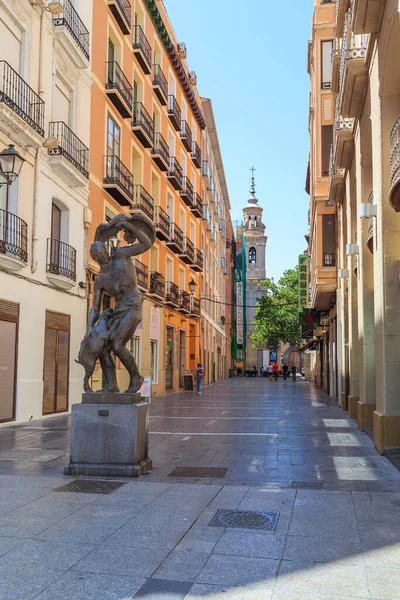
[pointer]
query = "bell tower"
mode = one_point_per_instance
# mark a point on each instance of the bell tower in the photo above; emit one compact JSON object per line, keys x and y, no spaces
{"x":255,"y":244}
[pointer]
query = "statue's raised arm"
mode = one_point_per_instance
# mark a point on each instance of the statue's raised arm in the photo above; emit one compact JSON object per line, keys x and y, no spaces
{"x":134,"y":232}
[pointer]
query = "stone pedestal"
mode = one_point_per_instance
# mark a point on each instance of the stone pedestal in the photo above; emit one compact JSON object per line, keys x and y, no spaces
{"x":109,"y":436}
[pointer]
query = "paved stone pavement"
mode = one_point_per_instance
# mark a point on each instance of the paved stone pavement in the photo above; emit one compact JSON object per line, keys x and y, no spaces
{"x":151,"y":538}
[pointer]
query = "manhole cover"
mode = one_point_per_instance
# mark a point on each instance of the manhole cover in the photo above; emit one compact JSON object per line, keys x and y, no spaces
{"x":245,"y":518}
{"x":85,"y":486}
{"x":305,"y":485}
{"x":211,"y":472}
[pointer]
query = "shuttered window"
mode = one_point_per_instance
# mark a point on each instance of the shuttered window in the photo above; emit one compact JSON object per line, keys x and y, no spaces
{"x":326,"y":60}
{"x":56,"y":363}
{"x":9,"y":319}
{"x":10,"y":46}
{"x":62,"y":103}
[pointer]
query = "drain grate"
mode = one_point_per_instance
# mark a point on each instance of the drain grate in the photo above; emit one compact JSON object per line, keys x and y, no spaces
{"x":245,"y":518}
{"x":211,"y":472}
{"x":45,"y":429}
{"x":306,"y":485}
{"x":86,"y":486}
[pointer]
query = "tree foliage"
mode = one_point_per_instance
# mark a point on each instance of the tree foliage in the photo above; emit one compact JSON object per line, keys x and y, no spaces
{"x":277,"y":312}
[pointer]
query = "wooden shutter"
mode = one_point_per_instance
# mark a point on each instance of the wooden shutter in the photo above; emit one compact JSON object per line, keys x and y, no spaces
{"x":10,"y":46}
{"x":62,"y":103}
{"x":56,"y":363}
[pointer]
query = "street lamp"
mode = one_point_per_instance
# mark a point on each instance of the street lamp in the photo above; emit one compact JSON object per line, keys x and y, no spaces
{"x":192,"y":289}
{"x":10,"y":167}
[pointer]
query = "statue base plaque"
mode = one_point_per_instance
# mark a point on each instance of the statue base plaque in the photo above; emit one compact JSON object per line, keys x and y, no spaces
{"x":109,"y":436}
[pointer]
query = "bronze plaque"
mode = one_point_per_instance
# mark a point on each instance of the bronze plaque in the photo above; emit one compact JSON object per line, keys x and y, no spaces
{"x":8,"y":333}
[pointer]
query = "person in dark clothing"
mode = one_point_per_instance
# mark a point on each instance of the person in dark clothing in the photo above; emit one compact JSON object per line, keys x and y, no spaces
{"x":199,"y":378}
{"x":285,"y":370}
{"x":294,"y":371}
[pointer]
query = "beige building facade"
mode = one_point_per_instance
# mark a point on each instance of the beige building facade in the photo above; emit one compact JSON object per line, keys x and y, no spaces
{"x":363,"y":190}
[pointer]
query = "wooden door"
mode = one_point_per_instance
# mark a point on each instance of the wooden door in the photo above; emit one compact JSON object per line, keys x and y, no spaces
{"x":9,"y":320}
{"x":56,"y":363}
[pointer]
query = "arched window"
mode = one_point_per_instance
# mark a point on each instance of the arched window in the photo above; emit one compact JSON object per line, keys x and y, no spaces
{"x":252,"y":255}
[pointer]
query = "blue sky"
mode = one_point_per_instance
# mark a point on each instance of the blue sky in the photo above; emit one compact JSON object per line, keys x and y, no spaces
{"x":251,"y":60}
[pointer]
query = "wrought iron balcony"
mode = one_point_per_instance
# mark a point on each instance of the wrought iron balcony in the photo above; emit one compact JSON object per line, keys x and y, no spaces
{"x":118,"y":89}
{"x":342,"y":6}
{"x":157,"y":285}
{"x":195,"y":307}
{"x":61,"y":259}
{"x":197,"y":206}
{"x":196,"y":155}
{"x":187,"y":191}
{"x":198,"y":262}
{"x":20,"y":98}
{"x":353,"y":74}
{"x":13,"y":236}
{"x":205,"y":173}
{"x":206,"y":216}
{"x":188,"y":255}
{"x":394,"y":194}
{"x":172,"y":294}
{"x":160,"y":152}
{"x":370,"y":232}
{"x":186,"y":135}
{"x":336,"y":181}
{"x":174,"y":112}
{"x":176,"y":241}
{"x":121,"y":10}
{"x":142,"y":275}
{"x":142,"y":125}
{"x":143,"y":203}
{"x":162,"y":224}
{"x":142,"y":50}
{"x":184,"y":301}
{"x":118,"y":180}
{"x":175,"y":173}
{"x":70,"y":147}
{"x":160,"y":84}
{"x":70,"y":20}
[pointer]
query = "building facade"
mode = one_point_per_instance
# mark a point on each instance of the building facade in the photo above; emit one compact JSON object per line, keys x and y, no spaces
{"x":255,"y":242}
{"x":45,"y":114}
{"x":157,"y":156}
{"x":363,"y":189}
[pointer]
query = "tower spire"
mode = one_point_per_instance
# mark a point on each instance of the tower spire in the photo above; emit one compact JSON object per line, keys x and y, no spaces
{"x":252,"y":189}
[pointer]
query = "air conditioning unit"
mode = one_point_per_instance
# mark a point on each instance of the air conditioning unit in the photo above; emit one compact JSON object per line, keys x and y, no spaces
{"x":192,"y":78}
{"x":182,"y":50}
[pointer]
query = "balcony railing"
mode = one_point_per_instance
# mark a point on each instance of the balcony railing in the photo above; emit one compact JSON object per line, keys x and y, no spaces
{"x":205,"y":172}
{"x":197,"y":206}
{"x":189,"y":250}
{"x":187,"y":191}
{"x":174,"y":112}
{"x":21,"y":98}
{"x":199,"y":259}
{"x":70,"y":146}
{"x":160,"y":152}
{"x":186,"y":135}
{"x":142,"y":274}
{"x":157,"y":284}
{"x":121,"y":9}
{"x":142,"y":201}
{"x":184,"y":301}
{"x":119,"y":88}
{"x":61,"y":259}
{"x":162,"y":223}
{"x":142,"y":49}
{"x":177,"y":236}
{"x":142,"y":125}
{"x":160,"y":84}
{"x":71,"y":21}
{"x":175,"y":173}
{"x":395,"y":153}
{"x":196,"y":155}
{"x":118,"y":180}
{"x":13,"y":236}
{"x":172,"y":293}
{"x":195,"y":306}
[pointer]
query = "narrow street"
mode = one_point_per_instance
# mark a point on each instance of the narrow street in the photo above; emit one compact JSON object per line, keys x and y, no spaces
{"x":288,"y":450}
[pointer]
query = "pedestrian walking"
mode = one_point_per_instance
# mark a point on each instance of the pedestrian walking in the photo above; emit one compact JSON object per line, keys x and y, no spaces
{"x":285,"y":370}
{"x":269,"y":372}
{"x":199,"y":378}
{"x":294,"y":370}
{"x":275,"y":370}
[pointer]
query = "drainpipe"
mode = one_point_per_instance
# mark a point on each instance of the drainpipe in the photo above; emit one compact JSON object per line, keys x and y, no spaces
{"x":39,"y":150}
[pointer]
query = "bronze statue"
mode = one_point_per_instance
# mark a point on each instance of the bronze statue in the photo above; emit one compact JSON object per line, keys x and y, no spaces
{"x":108,"y":332}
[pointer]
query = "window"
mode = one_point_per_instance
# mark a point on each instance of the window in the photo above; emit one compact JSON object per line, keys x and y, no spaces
{"x":62,"y":102}
{"x":328,"y":240}
{"x":154,"y":361}
{"x":134,"y":347}
{"x":113,"y":138}
{"x":327,"y":136}
{"x":252,"y":255}
{"x":326,"y":64}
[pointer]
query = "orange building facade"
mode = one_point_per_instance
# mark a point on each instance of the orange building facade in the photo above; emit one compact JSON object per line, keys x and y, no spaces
{"x":147,"y":130}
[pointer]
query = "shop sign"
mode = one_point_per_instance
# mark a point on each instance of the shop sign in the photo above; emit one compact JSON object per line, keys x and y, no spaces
{"x":154,"y":324}
{"x":304,"y":282}
{"x":239,"y":312}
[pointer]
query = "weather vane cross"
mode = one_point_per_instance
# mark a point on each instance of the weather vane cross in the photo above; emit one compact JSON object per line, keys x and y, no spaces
{"x":253,"y":189}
